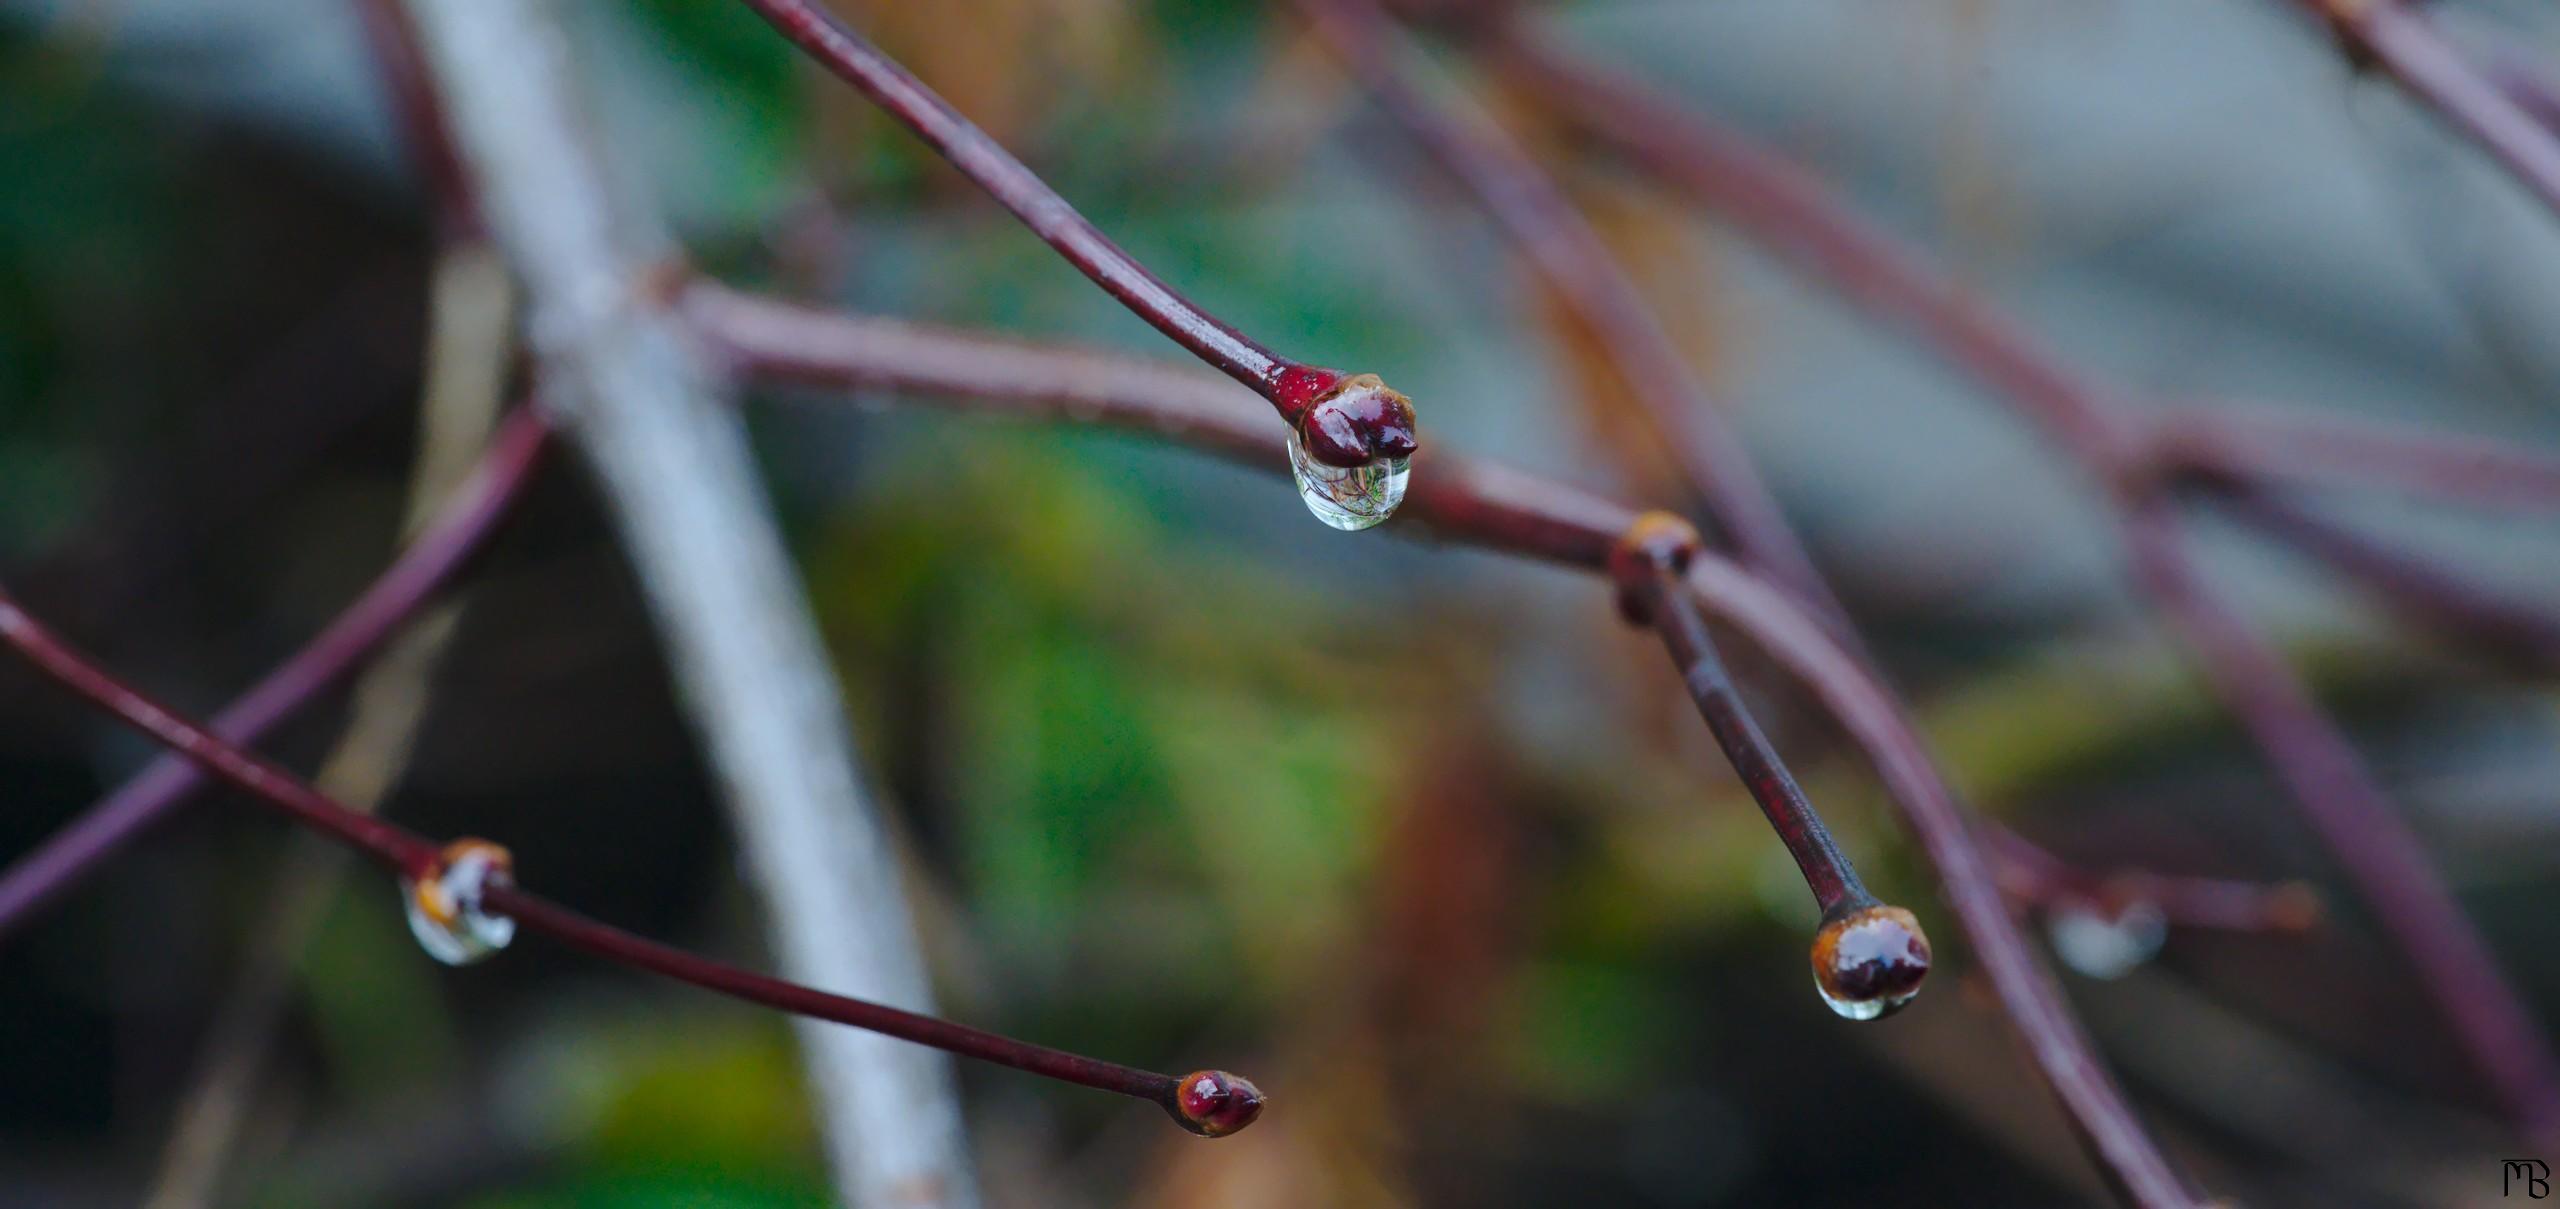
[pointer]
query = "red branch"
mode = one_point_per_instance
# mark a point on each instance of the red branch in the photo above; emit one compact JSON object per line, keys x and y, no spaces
{"x":2405,"y":44}
{"x":1492,"y":506}
{"x":412,"y":856}
{"x":1787,"y":210}
{"x":440,"y":552}
{"x":1288,"y":385}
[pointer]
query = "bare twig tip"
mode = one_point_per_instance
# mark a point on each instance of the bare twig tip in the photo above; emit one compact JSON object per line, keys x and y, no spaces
{"x":1869,"y":961}
{"x":1215,"y":1103}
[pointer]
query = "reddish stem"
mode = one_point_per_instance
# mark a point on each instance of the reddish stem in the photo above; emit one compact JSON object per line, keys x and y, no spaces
{"x":412,"y":856}
{"x":1537,"y":217}
{"x":460,"y":530}
{"x":1788,"y":211}
{"x":2037,"y":878}
{"x":2060,"y":1050}
{"x":2331,"y":451}
{"x":2405,"y":44}
{"x":2420,"y":590}
{"x":1493,"y":506}
{"x":419,"y":114}
{"x":850,"y":56}
{"x":1553,"y":236}
{"x":640,"y":953}
{"x":2340,"y":798}
{"x":1646,"y":565}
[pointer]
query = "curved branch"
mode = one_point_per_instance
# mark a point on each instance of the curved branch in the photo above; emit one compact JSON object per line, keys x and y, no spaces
{"x":425,"y":566}
{"x":1788,"y":211}
{"x":1488,"y":505}
{"x":633,"y":390}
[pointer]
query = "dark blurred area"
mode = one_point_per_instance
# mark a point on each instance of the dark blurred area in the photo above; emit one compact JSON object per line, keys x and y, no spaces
{"x":1423,"y":839}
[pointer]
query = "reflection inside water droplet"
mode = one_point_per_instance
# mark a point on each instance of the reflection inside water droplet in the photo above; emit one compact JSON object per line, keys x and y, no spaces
{"x":1870,"y":961}
{"x":445,"y":911}
{"x":1348,"y":497}
{"x":2091,"y":943}
{"x":1861,"y":1009}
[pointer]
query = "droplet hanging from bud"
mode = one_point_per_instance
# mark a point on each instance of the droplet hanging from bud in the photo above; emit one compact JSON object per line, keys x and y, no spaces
{"x":1869,"y":962}
{"x":2100,"y":946}
{"x":1351,"y":452}
{"x":1349,"y":498}
{"x":1214,"y":1103}
{"x":445,"y":908}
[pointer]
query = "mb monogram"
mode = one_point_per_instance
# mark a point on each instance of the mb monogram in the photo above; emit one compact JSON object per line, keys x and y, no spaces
{"x":2532,"y":1177}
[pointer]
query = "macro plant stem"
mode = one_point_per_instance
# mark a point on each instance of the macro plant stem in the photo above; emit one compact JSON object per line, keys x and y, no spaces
{"x":2350,"y":812}
{"x":1495,"y":507}
{"x":2419,"y":590}
{"x":1646,"y":565}
{"x":1535,"y":215}
{"x":2031,"y":875}
{"x":413,"y":857}
{"x":671,"y":463}
{"x":1379,"y":424}
{"x":2404,"y":44}
{"x":2273,"y":449}
{"x":440,"y":552}
{"x":1570,"y":257}
{"x":1787,"y":211}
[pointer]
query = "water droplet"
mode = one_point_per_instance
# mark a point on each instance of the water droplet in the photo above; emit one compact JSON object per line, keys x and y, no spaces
{"x":1869,"y":962}
{"x":445,"y":911}
{"x":2100,"y":947}
{"x":1348,"y":497}
{"x":1214,"y":1103}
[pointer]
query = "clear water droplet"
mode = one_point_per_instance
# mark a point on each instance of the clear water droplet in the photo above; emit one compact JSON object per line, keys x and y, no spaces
{"x":1870,"y":961}
{"x":445,"y":911}
{"x":1348,"y":497}
{"x":1860,"y":1009}
{"x":2095,"y":945}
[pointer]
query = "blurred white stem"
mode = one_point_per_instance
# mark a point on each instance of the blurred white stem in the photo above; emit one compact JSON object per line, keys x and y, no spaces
{"x":619,"y":370}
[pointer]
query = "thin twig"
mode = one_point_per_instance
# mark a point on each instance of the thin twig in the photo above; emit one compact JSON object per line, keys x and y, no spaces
{"x":426,"y":566}
{"x":2036,"y":877}
{"x":2404,"y":44}
{"x":413,"y":858}
{"x":469,"y":332}
{"x":1291,"y":387}
{"x":2340,"y":798}
{"x":1492,"y":506}
{"x":2419,"y":590}
{"x":623,"y":374}
{"x":1786,"y":210}
{"x":2275,"y":448}
{"x":1537,"y":217}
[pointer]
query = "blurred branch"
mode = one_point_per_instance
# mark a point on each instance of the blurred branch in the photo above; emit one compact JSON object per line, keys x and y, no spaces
{"x":2037,"y":878}
{"x":470,"y":885}
{"x":2403,"y":43}
{"x":441,"y":552}
{"x":2420,"y":590}
{"x":1501,"y":509}
{"x":2332,"y":451}
{"x":674,"y":466}
{"x":2344,"y":804}
{"x":1790,"y":212}
{"x":1291,"y":387}
{"x":468,"y":334}
{"x":1534,"y":214}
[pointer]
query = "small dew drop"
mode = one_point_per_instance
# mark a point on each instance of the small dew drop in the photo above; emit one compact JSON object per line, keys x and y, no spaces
{"x":1349,"y":498}
{"x":445,"y":911}
{"x":2099,"y":947}
{"x":1869,"y":962}
{"x":1215,"y":1103}
{"x":1860,"y":1009}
